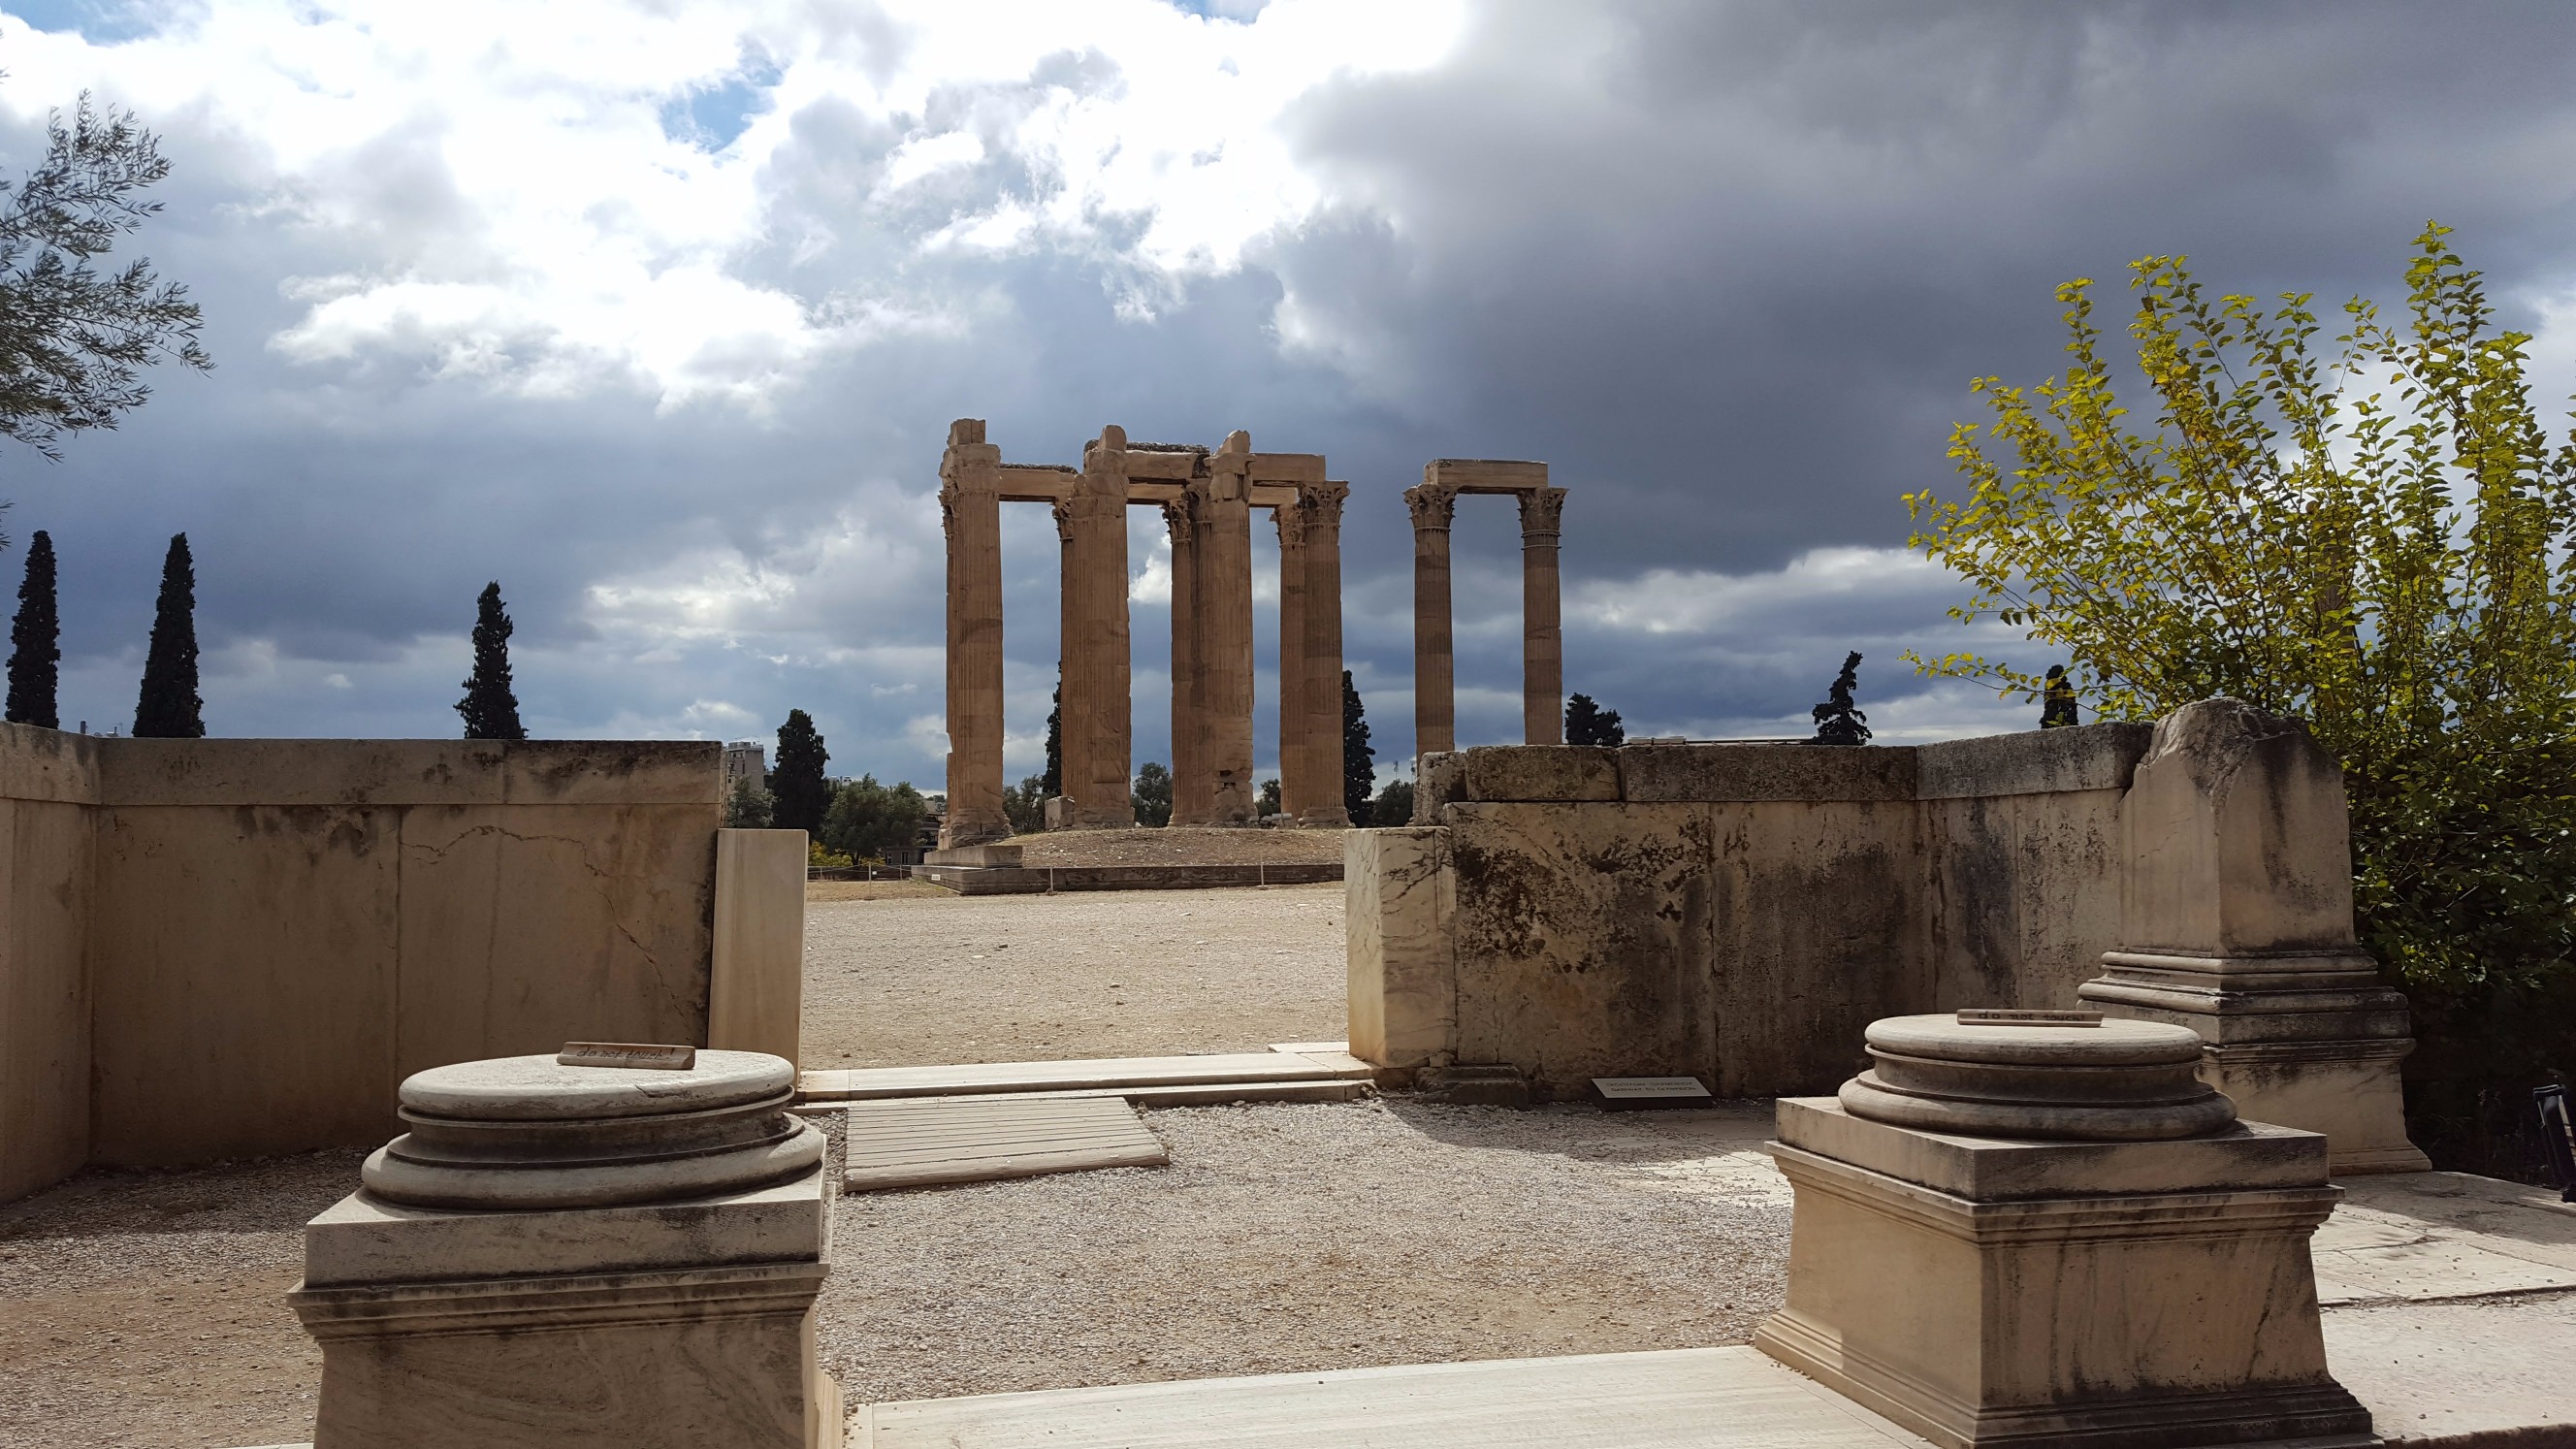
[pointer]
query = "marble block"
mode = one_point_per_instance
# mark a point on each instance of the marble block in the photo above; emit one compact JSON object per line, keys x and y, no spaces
{"x":2127,"y":1295}
{"x":2236,"y":921}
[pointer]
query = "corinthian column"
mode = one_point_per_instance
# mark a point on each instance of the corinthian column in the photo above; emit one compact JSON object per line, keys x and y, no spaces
{"x":1435,"y":705}
{"x":1190,"y":792}
{"x":1221,"y":623}
{"x":970,"y":478}
{"x":1321,"y":506}
{"x":1096,"y":692}
{"x":1297,"y":783}
{"x":1542,"y":636}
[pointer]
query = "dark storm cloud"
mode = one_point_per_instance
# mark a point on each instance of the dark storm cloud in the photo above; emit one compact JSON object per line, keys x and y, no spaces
{"x":1729,"y":268}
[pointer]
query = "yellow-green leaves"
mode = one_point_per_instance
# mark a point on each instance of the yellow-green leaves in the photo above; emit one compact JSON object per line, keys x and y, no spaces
{"x":2375,"y":533}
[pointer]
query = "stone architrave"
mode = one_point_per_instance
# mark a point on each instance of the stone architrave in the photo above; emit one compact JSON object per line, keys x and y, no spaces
{"x":1221,"y":627}
{"x":561,"y":1256}
{"x":1321,"y":505}
{"x":2053,"y":1234}
{"x":2236,"y":921}
{"x":1190,"y":793}
{"x":1098,"y":707}
{"x":1298,"y":786}
{"x":970,"y":512}
{"x":1542,"y":632}
{"x":1435,"y":703}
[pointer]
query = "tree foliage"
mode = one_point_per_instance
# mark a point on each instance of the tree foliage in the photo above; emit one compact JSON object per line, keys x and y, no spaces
{"x":1359,"y":762}
{"x":749,"y":807}
{"x":490,"y":709}
{"x":873,"y":822}
{"x":1267,"y":803}
{"x":36,"y":641}
{"x":2373,"y":535}
{"x":73,"y":340}
{"x":797,"y":783}
{"x":168,"y":706}
{"x":1393,"y":806}
{"x":1024,"y":805}
{"x":1054,"y":777}
{"x":1587,"y":723}
{"x":1152,"y":794}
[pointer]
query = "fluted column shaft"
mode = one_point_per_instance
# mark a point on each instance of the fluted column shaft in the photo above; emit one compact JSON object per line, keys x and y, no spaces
{"x":971,"y":516}
{"x":1297,"y":783}
{"x":1190,"y":792}
{"x":1321,"y":508}
{"x":1096,"y":682}
{"x":1435,"y":705}
{"x":1542,"y":633}
{"x":1221,"y":618}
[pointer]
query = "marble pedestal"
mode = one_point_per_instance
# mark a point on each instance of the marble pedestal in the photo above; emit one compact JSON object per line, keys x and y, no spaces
{"x":670,"y":1326}
{"x":2132,"y":1295}
{"x":617,"y":1301}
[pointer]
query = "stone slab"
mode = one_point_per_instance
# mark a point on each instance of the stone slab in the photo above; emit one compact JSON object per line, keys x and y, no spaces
{"x":1998,"y":1169}
{"x":362,"y":1239}
{"x":1399,"y":904}
{"x":48,"y":765}
{"x":922,"y":1142}
{"x":756,"y":972}
{"x":2487,"y":1375}
{"x":1693,"y":1398}
{"x":2035,"y":762}
{"x":1007,"y":857}
{"x":2443,"y":1235}
{"x":1542,"y":772}
{"x":1236,"y":1068}
{"x":1732,"y":772}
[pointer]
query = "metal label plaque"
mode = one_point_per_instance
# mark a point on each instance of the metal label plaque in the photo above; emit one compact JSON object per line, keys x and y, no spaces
{"x":1631,"y":1093}
{"x":641,"y":1055}
{"x":2011,"y":1016}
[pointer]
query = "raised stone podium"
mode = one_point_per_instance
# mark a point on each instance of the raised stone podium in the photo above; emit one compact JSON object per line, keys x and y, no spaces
{"x":568,"y":1255}
{"x":2033,"y":1232}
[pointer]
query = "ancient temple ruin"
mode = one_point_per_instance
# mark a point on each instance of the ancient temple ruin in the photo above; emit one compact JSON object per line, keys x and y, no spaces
{"x":1207,"y":498}
{"x":1434,"y":504}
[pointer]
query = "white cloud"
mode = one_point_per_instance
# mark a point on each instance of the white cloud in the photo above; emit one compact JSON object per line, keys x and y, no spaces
{"x":519,"y":210}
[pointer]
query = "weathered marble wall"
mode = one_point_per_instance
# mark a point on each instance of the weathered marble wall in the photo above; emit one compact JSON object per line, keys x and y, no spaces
{"x":1737,"y":913}
{"x":215,"y":948}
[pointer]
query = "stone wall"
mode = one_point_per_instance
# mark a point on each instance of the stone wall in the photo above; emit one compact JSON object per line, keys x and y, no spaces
{"x":1736,"y":913}
{"x":216,"y":948}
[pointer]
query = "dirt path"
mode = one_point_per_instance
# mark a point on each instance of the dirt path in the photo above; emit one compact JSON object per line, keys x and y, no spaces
{"x":914,"y":981}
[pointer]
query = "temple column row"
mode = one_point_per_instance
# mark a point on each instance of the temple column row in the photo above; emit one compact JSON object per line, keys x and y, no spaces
{"x":1212,"y":646}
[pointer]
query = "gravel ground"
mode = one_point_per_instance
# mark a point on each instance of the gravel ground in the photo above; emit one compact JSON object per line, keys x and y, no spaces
{"x":148,"y":1309}
{"x":910,"y":981}
{"x":1286,"y":1238}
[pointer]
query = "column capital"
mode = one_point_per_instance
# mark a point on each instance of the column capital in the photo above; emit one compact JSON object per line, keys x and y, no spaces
{"x":1540,"y":510}
{"x":1063,"y":510}
{"x":1433,"y":505}
{"x":1291,"y":521}
{"x":1322,"y":505}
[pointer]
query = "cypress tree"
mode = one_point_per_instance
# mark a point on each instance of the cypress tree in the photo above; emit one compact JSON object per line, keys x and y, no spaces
{"x":797,"y":784}
{"x":1054,"y":776}
{"x":168,"y":708}
{"x":36,"y":641}
{"x":491,"y":711}
{"x":1359,"y":768}
{"x":1587,"y":723}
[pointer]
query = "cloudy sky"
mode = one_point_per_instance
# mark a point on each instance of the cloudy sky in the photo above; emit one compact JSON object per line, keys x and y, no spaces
{"x":657,"y":313}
